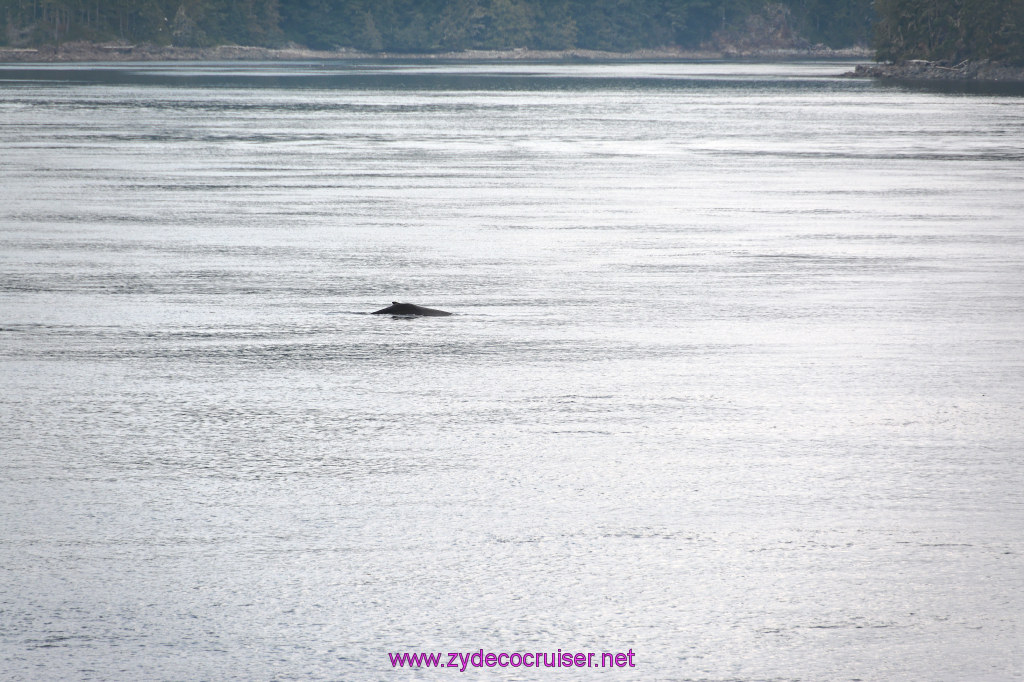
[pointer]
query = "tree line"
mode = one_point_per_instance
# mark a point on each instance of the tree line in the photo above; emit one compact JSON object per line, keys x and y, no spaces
{"x":437,"y":25}
{"x":901,"y":29}
{"x":950,"y":30}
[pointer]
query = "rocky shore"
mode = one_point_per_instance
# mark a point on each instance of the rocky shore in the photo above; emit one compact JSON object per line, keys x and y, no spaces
{"x":94,"y":52}
{"x":917,"y":69}
{"x":970,"y":70}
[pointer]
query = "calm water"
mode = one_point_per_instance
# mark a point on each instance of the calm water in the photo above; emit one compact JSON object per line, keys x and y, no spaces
{"x":734,"y":381}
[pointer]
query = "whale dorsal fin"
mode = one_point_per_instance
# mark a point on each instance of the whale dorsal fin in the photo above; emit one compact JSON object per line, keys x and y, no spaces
{"x":395,"y":303}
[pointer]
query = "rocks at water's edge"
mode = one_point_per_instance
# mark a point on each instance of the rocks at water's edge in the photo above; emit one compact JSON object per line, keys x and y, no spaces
{"x":919,"y":69}
{"x":86,"y":51}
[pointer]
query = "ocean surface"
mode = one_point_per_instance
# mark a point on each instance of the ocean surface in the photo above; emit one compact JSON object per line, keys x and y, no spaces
{"x":734,"y":379}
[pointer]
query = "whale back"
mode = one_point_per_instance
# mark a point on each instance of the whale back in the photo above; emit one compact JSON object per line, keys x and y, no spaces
{"x":397,"y":308}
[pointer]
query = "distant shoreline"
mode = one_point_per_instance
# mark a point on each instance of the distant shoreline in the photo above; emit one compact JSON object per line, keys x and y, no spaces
{"x":96,"y":52}
{"x":921,"y":70}
{"x":978,"y":71}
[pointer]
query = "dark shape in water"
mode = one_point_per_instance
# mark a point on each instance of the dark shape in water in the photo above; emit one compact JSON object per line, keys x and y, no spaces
{"x":397,"y":308}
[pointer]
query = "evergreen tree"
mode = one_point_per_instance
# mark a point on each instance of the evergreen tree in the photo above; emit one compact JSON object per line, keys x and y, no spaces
{"x":950,"y":30}
{"x":555,"y":27}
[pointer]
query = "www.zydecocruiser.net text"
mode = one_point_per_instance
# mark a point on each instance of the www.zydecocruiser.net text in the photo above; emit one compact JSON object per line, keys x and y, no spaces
{"x":478,"y":659}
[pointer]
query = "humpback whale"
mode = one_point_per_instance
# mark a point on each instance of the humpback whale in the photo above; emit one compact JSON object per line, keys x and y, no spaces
{"x":397,"y":308}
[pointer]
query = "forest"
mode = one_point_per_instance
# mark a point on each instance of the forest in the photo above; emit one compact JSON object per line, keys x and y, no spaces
{"x":950,"y":30}
{"x":408,"y":26}
{"x":899,"y":29}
